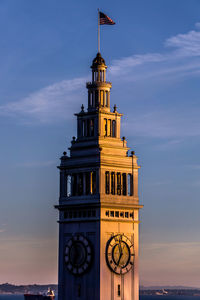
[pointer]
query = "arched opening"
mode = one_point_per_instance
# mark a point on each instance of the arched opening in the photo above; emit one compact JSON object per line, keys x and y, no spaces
{"x":113,"y":128}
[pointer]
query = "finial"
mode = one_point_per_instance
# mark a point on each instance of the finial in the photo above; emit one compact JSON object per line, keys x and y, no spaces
{"x":115,"y":108}
{"x":82,"y":108}
{"x":64,"y":157}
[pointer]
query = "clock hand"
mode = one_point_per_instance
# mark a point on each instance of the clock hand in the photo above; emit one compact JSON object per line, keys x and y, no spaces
{"x":121,"y":253}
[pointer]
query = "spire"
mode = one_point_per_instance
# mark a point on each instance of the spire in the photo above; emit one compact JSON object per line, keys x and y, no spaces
{"x":98,"y":61}
{"x":98,"y":68}
{"x":99,"y":88}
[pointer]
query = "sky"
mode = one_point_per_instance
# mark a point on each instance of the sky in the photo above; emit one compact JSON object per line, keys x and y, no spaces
{"x":153,"y":59}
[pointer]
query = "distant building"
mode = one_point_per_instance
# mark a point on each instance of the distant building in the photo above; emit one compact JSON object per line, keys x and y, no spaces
{"x":99,"y":204}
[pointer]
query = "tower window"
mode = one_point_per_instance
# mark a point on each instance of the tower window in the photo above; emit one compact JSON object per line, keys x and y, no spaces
{"x":113,"y":128}
{"x":124,"y":184}
{"x":80,"y":184}
{"x":69,"y":182}
{"x":106,"y":98}
{"x":79,"y":291}
{"x":113,"y":183}
{"x":88,"y":127}
{"x":74,"y":184}
{"x":109,"y":128}
{"x":93,"y":182}
{"x":87,"y":180}
{"x":100,"y":75}
{"x":130,"y":184}
{"x":83,"y":128}
{"x":102,"y":98}
{"x":92,"y":127}
{"x":118,"y":183}
{"x":90,"y":98}
{"x":107,"y":185}
{"x":105,"y":127}
{"x":118,"y":290}
{"x":96,"y":75}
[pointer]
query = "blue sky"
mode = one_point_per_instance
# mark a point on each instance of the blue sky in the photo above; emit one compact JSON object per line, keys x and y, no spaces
{"x":153,"y":58}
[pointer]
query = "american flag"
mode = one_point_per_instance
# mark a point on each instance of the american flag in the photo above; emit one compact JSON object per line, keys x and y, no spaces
{"x":105,"y":20}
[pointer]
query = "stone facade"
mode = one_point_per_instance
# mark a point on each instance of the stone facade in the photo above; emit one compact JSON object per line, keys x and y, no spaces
{"x":98,"y":204}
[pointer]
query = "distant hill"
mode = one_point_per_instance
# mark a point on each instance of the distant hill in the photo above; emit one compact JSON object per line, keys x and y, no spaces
{"x":7,"y":288}
{"x":168,"y":287}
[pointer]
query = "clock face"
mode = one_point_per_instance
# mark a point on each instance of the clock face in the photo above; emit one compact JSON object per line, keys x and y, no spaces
{"x":78,"y":254}
{"x":119,"y":254}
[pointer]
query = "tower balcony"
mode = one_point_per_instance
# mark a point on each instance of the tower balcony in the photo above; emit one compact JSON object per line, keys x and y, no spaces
{"x":98,"y":84}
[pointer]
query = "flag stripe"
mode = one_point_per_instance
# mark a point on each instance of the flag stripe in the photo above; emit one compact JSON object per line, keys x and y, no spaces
{"x":105,"y":20}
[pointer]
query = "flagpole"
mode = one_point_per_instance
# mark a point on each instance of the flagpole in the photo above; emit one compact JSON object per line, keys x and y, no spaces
{"x":98,"y":32}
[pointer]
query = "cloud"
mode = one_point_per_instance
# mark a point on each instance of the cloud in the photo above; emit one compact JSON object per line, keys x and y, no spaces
{"x":55,"y":101}
{"x":58,"y":102}
{"x":186,"y":44}
{"x":123,"y":65}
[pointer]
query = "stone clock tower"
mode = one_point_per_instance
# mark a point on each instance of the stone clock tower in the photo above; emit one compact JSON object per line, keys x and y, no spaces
{"x":98,"y":204}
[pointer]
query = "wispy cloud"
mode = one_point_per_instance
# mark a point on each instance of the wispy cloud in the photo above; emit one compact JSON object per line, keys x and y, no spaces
{"x":186,"y":44}
{"x":181,"y":47}
{"x":180,"y":57}
{"x":55,"y":101}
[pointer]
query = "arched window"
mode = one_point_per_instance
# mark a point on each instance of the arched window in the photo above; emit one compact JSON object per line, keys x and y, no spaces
{"x":113,"y":128}
{"x":92,"y":127}
{"x":80,"y":184}
{"x":69,"y":182}
{"x":130,"y":184}
{"x":113,"y":183}
{"x":118,"y":183}
{"x":90,"y":98}
{"x":101,"y":97}
{"x":83,"y":128}
{"x":107,"y":183}
{"x":109,"y":128}
{"x":74,"y":184}
{"x":93,"y":182}
{"x":105,"y":127}
{"x":124,"y":184}
{"x":87,"y":179}
{"x":106,"y":98}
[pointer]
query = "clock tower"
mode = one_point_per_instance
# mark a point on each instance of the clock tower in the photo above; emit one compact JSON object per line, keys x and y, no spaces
{"x":98,"y":204}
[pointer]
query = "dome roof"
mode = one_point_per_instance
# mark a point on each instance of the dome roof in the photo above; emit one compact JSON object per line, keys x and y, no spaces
{"x":98,"y":61}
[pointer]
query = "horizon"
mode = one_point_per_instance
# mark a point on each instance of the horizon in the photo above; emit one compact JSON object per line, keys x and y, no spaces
{"x":153,"y":59}
{"x":141,"y":286}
